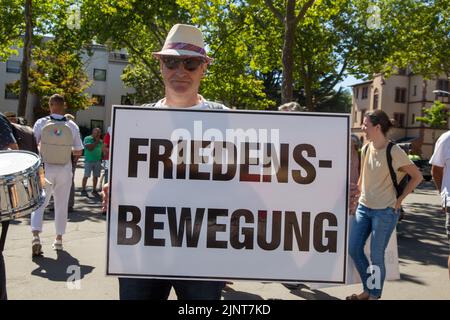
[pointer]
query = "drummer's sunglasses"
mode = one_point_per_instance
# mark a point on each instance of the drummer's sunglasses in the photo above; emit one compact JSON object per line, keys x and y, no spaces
{"x":189,"y":64}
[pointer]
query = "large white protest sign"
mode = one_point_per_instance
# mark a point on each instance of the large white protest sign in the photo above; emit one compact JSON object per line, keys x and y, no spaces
{"x":213,"y":194}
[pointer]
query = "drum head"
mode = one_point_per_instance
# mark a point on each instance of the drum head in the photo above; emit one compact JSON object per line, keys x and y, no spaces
{"x":16,"y":161}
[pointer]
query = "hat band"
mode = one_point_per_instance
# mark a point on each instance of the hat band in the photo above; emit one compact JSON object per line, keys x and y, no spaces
{"x":185,"y":46}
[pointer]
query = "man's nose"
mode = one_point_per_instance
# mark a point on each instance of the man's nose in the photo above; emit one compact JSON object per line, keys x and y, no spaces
{"x":180,"y":68}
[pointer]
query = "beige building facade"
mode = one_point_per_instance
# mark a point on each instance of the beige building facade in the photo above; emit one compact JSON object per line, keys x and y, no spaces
{"x":104,"y":68}
{"x":403,"y":97}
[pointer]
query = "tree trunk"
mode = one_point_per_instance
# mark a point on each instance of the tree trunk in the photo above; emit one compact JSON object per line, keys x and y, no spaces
{"x":25,"y":68}
{"x":288,"y":53}
{"x":290,"y":21}
{"x":308,"y":93}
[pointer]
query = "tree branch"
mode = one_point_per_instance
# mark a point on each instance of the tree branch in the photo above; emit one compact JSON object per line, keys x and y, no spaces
{"x":302,"y":12}
{"x":145,"y":61}
{"x":276,"y":12}
{"x":337,"y":78}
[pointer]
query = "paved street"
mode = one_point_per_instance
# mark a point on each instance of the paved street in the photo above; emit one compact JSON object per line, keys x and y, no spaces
{"x":423,"y":250}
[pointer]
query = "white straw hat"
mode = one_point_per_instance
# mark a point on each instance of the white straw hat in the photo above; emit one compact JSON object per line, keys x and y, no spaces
{"x":184,"y":40}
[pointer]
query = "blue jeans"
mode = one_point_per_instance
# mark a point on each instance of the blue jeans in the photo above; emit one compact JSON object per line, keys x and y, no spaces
{"x":157,"y":289}
{"x":379,"y":224}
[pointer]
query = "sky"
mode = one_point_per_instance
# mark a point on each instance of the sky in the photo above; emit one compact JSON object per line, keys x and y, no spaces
{"x":347,"y":82}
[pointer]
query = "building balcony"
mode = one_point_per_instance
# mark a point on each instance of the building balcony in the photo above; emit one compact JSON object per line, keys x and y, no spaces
{"x":118,"y":57}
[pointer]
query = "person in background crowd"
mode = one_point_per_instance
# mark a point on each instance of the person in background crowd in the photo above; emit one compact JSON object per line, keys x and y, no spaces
{"x":74,"y":166}
{"x":12,"y":116}
{"x":355,"y":168}
{"x":92,"y":160}
{"x":440,"y":161}
{"x":290,"y":106}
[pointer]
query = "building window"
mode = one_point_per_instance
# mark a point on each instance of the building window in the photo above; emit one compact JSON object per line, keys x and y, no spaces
{"x":99,"y":100}
{"x":413,"y":119}
{"x":9,"y":93}
{"x":97,"y":124}
{"x":399,"y":120}
{"x":125,"y":100}
{"x":400,"y":95}
{"x":100,"y":74}
{"x":355,"y":115}
{"x":365,"y":93}
{"x":12,"y":66}
{"x":363,"y":113}
{"x":415,"y":91}
{"x":443,"y":85}
{"x":375,"y":99}
{"x":357,"y":93}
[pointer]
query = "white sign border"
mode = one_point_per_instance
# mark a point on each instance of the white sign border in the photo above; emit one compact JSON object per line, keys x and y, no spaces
{"x":259,"y":112}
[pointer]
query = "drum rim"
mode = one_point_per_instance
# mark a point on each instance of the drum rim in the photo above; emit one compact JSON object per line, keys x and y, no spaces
{"x":9,"y":177}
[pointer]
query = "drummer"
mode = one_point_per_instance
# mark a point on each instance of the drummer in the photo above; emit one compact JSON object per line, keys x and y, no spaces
{"x":7,"y":141}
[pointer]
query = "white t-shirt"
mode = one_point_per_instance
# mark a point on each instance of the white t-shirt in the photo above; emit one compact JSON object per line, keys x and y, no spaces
{"x":203,"y":105}
{"x":441,"y":158}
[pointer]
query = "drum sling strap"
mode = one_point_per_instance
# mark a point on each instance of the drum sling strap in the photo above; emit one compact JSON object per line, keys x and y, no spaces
{"x":5,"y":225}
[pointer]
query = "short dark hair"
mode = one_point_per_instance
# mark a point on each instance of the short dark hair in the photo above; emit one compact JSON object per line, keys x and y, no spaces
{"x":380,"y":117}
{"x":56,"y":99}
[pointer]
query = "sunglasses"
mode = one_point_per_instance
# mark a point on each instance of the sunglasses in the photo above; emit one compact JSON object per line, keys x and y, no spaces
{"x":189,"y":64}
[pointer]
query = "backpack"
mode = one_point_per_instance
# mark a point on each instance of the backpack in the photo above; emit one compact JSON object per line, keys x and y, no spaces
{"x":399,"y":187}
{"x":56,"y":141}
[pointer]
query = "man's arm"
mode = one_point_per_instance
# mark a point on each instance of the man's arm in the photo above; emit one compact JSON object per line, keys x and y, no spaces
{"x":437,"y":173}
{"x":91,"y":142}
{"x":91,"y":146}
{"x":13,"y":146}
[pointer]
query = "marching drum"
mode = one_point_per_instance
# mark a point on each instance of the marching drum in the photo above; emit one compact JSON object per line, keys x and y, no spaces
{"x":21,"y":183}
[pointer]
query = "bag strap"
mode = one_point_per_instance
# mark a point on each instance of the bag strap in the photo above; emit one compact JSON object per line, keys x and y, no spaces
{"x":5,"y":225}
{"x":391,"y":168}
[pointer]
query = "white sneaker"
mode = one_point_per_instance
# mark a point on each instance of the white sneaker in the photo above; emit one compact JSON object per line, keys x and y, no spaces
{"x":57,"y":245}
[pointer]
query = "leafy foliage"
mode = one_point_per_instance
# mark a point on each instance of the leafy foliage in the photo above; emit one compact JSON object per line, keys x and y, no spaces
{"x":436,"y":116}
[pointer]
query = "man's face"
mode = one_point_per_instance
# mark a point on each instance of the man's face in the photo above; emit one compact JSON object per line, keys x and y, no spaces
{"x":56,"y":108}
{"x":182,"y":75}
{"x":12,"y":119}
{"x":96,"y":132}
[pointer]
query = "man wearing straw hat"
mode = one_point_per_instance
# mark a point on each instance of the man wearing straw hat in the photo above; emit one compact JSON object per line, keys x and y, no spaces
{"x":183,"y":62}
